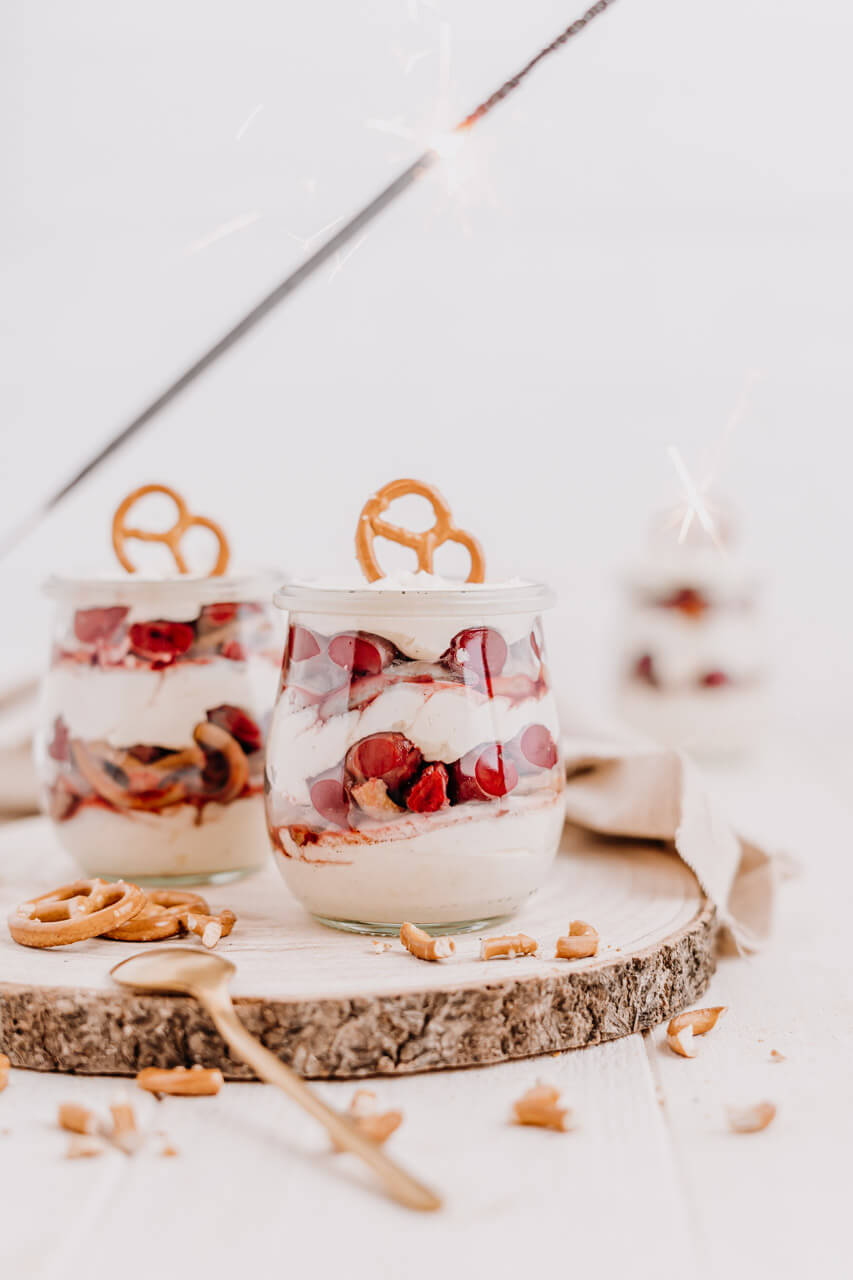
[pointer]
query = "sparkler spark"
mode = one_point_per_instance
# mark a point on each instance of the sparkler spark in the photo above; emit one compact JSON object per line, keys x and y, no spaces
{"x":249,"y":118}
{"x":712,"y":470}
{"x":341,"y":259}
{"x":695,"y":501}
{"x":239,"y":223}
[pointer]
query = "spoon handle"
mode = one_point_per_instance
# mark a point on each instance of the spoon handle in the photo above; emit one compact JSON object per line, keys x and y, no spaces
{"x":400,"y":1184}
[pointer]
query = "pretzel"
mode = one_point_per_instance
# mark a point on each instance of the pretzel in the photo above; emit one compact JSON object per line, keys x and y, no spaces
{"x":183,"y":1081}
{"x":579,"y":943}
{"x":172,"y":537}
{"x":423,"y":946}
{"x":163,"y":916}
{"x":84,"y":909}
{"x":371,"y":525}
{"x":510,"y":946}
{"x":540,"y":1107}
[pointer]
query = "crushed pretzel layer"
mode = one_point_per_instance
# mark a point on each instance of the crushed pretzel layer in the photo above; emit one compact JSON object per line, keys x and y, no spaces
{"x":192,"y":1082}
{"x":751,"y":1119}
{"x":579,"y":943}
{"x":508,"y":946}
{"x":539,"y":1107}
{"x":423,"y":945}
{"x":685,"y":1026}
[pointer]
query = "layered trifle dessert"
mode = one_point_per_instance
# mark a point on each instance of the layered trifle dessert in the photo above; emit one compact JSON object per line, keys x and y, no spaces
{"x":153,"y":718}
{"x":694,"y":665}
{"x":413,"y":768}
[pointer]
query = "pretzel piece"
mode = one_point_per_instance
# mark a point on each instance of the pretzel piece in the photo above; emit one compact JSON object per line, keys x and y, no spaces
{"x":508,"y":946}
{"x":539,"y":1107}
{"x":211,"y":928}
{"x":74,"y":912}
{"x":424,"y":544}
{"x":172,"y":537}
{"x":5,"y":1064}
{"x":77,"y":1119}
{"x":579,"y":943}
{"x":423,"y":946}
{"x":163,"y":916}
{"x":194,"y":1082}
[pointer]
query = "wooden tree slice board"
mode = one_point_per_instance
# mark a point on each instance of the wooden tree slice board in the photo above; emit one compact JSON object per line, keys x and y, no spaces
{"x":331,"y":1005}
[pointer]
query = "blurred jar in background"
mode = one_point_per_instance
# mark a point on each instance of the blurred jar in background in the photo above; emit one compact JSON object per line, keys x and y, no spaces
{"x":693,"y":665}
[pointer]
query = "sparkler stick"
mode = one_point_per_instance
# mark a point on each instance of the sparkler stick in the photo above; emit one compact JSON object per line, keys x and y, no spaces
{"x":431,"y":156}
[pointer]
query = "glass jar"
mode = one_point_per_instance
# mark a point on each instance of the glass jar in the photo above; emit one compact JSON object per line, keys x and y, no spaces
{"x":413,"y":763}
{"x":153,"y":718}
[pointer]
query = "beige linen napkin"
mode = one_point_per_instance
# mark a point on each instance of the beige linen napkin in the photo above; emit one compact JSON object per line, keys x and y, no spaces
{"x":631,"y":788}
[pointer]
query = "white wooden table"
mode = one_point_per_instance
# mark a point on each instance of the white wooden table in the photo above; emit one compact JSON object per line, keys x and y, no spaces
{"x":651,"y":1183}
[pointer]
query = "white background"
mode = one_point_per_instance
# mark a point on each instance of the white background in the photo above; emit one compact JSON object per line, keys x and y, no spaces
{"x":665,"y":207}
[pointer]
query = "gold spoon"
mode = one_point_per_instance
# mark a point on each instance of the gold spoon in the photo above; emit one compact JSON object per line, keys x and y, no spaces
{"x":206,"y":976}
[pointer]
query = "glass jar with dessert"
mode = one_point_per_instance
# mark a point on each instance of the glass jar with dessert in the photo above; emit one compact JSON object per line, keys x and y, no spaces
{"x":152,"y":724}
{"x":413,"y":766}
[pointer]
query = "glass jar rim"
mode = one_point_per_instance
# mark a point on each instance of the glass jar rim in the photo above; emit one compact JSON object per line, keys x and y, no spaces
{"x":135,"y":589}
{"x":468,"y":600}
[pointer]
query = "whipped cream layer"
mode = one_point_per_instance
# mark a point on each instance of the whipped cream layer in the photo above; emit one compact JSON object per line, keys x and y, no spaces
{"x":685,"y":649}
{"x":443,"y":720}
{"x":160,"y":708}
{"x":179,"y":841}
{"x":464,"y":865}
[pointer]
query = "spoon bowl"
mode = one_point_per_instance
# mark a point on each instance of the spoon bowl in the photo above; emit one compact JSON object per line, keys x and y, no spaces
{"x":173,"y":970}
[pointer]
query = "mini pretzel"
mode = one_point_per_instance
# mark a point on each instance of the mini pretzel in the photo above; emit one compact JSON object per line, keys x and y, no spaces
{"x":163,"y":916}
{"x":371,"y":525}
{"x":172,"y":537}
{"x":84,"y":909}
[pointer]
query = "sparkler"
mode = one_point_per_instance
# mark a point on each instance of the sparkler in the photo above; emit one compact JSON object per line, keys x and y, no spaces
{"x":433,"y":155}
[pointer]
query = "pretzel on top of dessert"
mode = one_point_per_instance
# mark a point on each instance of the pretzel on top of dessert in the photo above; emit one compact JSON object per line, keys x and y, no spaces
{"x":171,"y":537}
{"x":371,"y":525}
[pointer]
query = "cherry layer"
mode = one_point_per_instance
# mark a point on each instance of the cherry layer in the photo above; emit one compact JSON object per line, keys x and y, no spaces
{"x":645,"y":671}
{"x":686,"y":600}
{"x":488,"y":772}
{"x":105,"y":639}
{"x":349,"y":670}
{"x":476,"y":655}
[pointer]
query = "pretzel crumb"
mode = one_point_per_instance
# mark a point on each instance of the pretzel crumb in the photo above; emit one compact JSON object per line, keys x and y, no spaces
{"x":5,"y":1066}
{"x":380,"y":946}
{"x":82,"y":1146}
{"x":211,"y":928}
{"x":508,"y":946}
{"x":579,"y":943}
{"x":376,"y":1126}
{"x":539,"y":1107}
{"x":750,"y":1119}
{"x":685,"y":1026}
{"x":425,"y":947}
{"x":168,"y":1150}
{"x":180,"y":1081}
{"x":776,"y":1056}
{"x":124,"y":1133}
{"x":76,"y":1119}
